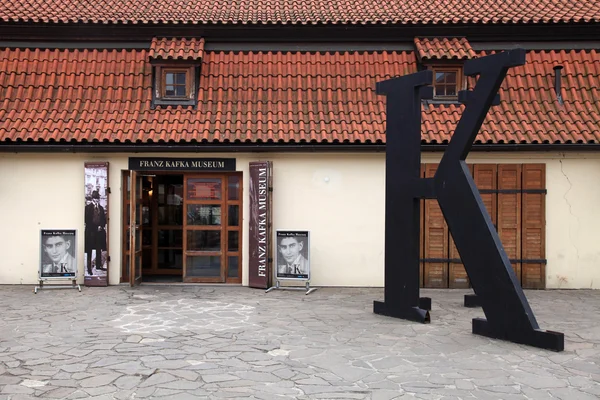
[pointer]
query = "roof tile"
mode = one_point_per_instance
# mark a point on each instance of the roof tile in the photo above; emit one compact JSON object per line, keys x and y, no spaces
{"x":300,"y":12}
{"x":176,"y":49}
{"x":260,"y":97}
{"x":444,"y":48}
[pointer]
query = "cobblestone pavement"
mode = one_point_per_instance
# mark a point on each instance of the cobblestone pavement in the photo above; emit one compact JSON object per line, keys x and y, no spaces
{"x":199,"y":342}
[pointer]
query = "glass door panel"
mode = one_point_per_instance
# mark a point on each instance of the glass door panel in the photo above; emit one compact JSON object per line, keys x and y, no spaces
{"x":170,"y":238}
{"x":126,"y":216}
{"x":204,"y":189}
{"x":233,"y":189}
{"x":233,"y":218}
{"x":203,"y":267}
{"x":135,"y":266}
{"x":204,"y":214}
{"x":233,"y":241}
{"x":233,"y":263}
{"x":170,"y":259}
{"x":170,"y":214}
{"x":204,"y":241}
{"x":233,"y":229}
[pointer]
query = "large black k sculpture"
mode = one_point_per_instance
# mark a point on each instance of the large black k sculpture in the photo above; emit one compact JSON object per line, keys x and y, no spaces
{"x":508,"y":315}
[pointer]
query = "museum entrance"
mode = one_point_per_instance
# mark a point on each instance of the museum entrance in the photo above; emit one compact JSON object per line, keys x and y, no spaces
{"x":186,"y":227}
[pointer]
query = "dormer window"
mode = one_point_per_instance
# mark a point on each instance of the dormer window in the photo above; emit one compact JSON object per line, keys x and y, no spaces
{"x":175,"y":84}
{"x":176,"y":71}
{"x":445,"y":58}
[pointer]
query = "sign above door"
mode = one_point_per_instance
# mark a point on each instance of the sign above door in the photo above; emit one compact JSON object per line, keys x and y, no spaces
{"x":181,"y":164}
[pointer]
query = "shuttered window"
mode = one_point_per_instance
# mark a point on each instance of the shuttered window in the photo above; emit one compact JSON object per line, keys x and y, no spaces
{"x":436,"y":241}
{"x":514,"y":196}
{"x":533,"y":270}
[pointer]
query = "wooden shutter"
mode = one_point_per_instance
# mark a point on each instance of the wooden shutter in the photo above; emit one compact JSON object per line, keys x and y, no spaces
{"x":435,"y":241}
{"x":486,"y":176}
{"x":422,"y":233}
{"x":534,"y":226}
{"x":457,"y":275}
{"x":509,"y":212}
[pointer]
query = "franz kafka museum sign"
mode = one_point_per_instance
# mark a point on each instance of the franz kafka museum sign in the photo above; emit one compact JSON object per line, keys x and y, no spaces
{"x":260,"y":184}
{"x":181,"y":164}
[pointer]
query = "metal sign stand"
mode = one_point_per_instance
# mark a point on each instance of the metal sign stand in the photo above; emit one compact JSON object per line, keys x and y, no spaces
{"x":56,"y":243}
{"x":73,"y":285}
{"x":295,"y":242}
{"x":309,"y":290}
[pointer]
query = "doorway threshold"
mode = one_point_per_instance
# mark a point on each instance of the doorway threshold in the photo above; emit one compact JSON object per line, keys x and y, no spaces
{"x":190,"y":284}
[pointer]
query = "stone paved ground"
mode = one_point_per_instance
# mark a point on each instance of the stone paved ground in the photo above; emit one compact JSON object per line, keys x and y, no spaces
{"x":198,"y":342}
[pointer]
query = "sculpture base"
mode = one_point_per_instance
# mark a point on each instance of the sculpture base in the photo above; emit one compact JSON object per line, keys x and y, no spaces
{"x":472,"y":301}
{"x":425,"y":303}
{"x":549,"y":340}
{"x":410,"y":313}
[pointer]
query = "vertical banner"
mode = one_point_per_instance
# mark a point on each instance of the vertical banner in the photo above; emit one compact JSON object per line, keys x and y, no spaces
{"x":260,"y":224}
{"x":96,"y":224}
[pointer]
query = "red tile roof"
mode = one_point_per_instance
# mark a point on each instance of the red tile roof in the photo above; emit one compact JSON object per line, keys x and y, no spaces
{"x":176,"y":49}
{"x":529,"y":111}
{"x":105,"y":95}
{"x":444,"y":49}
{"x":300,"y":12}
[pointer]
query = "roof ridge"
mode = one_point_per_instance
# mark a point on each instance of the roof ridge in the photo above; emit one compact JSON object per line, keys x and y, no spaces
{"x":309,"y":12}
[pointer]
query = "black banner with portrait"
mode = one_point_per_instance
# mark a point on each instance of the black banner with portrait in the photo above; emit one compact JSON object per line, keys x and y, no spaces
{"x":293,"y":255}
{"x":96,"y":224}
{"x":58,"y":259}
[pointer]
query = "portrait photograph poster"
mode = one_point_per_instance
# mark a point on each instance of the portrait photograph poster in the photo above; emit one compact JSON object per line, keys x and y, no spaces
{"x":57,"y":254}
{"x":95,"y":260}
{"x":293,"y":255}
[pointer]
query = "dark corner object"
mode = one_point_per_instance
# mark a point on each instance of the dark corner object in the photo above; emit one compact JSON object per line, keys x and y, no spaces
{"x":504,"y":304}
{"x":472,"y":301}
{"x":557,"y":83}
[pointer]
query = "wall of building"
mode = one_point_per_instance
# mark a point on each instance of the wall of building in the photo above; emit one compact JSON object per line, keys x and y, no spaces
{"x":338,"y":197}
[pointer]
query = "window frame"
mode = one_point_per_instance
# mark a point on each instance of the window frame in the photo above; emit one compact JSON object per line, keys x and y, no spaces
{"x":159,"y":84}
{"x":163,"y":82}
{"x":460,"y":84}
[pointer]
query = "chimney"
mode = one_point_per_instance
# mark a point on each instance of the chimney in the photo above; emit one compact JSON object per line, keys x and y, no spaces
{"x":557,"y":82}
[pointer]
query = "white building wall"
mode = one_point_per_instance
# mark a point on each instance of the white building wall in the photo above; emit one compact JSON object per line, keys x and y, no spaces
{"x":338,"y":197}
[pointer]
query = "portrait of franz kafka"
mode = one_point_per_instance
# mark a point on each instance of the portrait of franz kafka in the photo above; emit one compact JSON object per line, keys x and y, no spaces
{"x":292,"y":255}
{"x":58,"y":253}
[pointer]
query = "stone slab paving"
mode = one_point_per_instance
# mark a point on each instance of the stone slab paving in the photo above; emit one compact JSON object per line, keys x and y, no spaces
{"x":206,"y":342}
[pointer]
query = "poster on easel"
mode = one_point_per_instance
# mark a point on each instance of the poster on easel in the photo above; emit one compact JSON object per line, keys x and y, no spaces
{"x":293,"y":255}
{"x":57,"y":257}
{"x":96,"y":224}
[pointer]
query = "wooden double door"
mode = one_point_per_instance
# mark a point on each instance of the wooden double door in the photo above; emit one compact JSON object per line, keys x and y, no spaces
{"x":515,"y":198}
{"x":186,"y":225}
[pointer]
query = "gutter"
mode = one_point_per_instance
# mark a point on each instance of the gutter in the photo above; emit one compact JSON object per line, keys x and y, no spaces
{"x":27,"y":147}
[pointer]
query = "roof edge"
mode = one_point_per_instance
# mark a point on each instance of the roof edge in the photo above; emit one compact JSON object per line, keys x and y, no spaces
{"x":25,"y":147}
{"x":478,"y":21}
{"x":300,"y":46}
